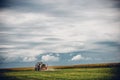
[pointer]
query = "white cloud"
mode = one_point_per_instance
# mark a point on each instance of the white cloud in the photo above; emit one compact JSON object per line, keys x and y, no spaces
{"x":50,"y":58}
{"x":7,"y":46}
{"x":21,"y":55}
{"x":21,"y":18}
{"x":29,"y":59}
{"x":80,"y":57}
{"x":77,"y":58}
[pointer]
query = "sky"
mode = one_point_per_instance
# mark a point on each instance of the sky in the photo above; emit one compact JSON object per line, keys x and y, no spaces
{"x":59,"y":32}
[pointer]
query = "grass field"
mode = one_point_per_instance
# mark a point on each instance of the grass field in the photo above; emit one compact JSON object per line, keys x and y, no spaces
{"x":110,"y":73}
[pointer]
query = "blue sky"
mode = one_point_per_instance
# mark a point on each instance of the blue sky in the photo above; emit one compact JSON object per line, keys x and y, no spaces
{"x":59,"y":32}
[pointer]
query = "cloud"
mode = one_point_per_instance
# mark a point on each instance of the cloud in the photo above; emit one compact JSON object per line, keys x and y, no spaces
{"x":109,"y":43}
{"x":31,"y":28}
{"x":20,"y":55}
{"x":29,"y":59}
{"x":50,"y":58}
{"x":11,"y":18}
{"x":6,"y":46}
{"x":77,"y":58}
{"x":80,"y":57}
{"x":5,"y":4}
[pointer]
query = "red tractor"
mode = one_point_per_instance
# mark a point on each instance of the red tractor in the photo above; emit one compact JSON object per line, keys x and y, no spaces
{"x":40,"y":66}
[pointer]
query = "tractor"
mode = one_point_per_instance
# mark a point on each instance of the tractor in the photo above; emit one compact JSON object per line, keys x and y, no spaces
{"x":40,"y":66}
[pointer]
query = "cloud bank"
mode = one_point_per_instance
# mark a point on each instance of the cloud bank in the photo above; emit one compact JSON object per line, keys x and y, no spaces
{"x":32,"y":30}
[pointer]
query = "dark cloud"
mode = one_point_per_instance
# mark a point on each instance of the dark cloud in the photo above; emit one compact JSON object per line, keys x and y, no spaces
{"x":116,"y":4}
{"x":4,"y":28}
{"x":53,"y":39}
{"x":5,"y":4}
{"x":109,"y":43}
{"x":4,"y":40}
{"x":30,"y":6}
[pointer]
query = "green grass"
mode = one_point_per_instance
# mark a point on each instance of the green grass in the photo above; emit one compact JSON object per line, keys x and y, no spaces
{"x":63,"y":74}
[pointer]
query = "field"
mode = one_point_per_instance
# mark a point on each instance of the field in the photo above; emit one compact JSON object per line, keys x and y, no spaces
{"x":70,"y":73}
